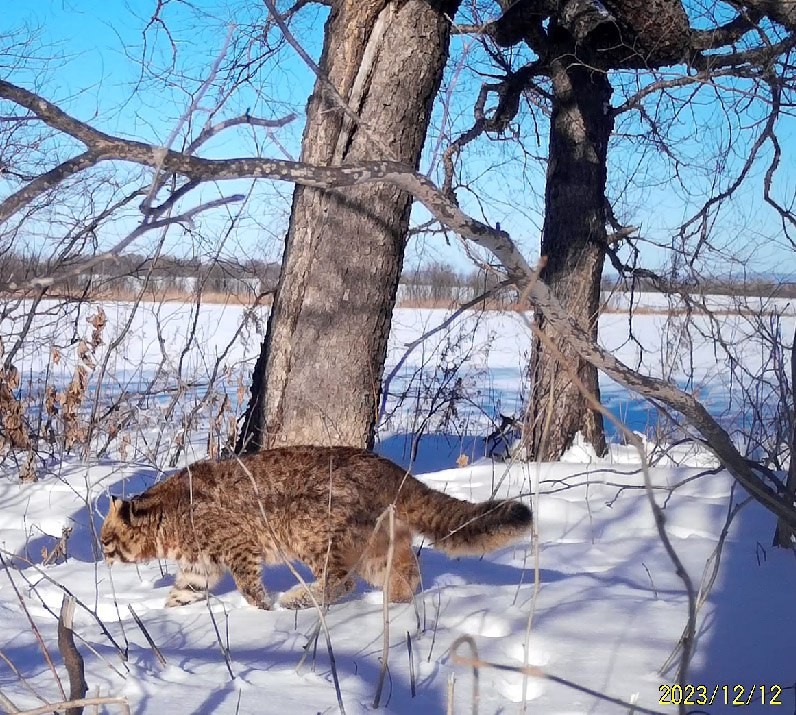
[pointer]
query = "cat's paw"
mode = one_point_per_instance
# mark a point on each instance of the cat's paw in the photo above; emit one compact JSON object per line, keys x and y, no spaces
{"x":260,"y":600}
{"x":296,"y":599}
{"x":184,"y":597}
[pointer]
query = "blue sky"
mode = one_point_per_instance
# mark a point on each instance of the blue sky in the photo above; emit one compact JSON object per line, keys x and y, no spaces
{"x":95,"y":71}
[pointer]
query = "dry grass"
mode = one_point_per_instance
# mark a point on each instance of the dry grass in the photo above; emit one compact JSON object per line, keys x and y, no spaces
{"x":171,"y":295}
{"x":174,"y":295}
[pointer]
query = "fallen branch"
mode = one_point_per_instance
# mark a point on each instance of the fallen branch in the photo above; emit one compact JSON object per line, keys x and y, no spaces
{"x":67,"y":705}
{"x":34,"y":628}
{"x":71,"y":656}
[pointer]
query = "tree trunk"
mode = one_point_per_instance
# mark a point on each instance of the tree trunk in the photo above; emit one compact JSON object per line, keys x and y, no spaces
{"x":784,"y":534}
{"x":318,"y":376}
{"x":573,"y":244}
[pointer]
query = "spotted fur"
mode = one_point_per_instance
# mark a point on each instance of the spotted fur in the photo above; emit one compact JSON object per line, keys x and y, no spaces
{"x":318,"y":505}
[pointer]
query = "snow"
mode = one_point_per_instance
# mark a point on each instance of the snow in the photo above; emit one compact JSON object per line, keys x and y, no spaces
{"x":609,"y":609}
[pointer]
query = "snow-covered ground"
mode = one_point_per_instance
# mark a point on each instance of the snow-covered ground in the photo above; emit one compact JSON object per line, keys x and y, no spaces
{"x":609,"y":608}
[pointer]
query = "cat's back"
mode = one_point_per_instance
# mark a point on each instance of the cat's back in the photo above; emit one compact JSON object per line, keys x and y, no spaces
{"x":285,"y":473}
{"x":343,"y":471}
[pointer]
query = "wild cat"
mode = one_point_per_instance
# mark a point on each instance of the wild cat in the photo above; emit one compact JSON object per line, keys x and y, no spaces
{"x":318,"y":505}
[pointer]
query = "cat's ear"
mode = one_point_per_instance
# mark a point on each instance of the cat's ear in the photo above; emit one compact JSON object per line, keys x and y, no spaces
{"x":121,"y":508}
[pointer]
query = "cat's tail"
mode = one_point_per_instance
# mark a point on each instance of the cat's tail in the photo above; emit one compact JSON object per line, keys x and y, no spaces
{"x":461,"y":527}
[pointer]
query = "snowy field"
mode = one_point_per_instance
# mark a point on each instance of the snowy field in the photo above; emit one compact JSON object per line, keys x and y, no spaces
{"x":606,"y":615}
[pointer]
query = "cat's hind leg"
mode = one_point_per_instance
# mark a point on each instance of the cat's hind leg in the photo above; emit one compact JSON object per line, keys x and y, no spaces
{"x":404,"y":572}
{"x":332,"y":568}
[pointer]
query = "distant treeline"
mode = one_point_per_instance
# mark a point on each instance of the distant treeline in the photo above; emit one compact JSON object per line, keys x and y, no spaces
{"x":171,"y":277}
{"x":435,"y":284}
{"x":749,"y":286}
{"x":128,"y":274}
{"x":440,"y":284}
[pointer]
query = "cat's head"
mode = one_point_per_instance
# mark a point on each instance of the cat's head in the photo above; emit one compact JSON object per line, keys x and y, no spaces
{"x":122,"y":537}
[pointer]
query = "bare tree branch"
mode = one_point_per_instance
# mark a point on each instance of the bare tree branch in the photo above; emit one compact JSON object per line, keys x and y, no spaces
{"x":716,"y":438}
{"x":781,"y":11}
{"x":105,"y":147}
{"x":727,"y":34}
{"x":212,"y":130}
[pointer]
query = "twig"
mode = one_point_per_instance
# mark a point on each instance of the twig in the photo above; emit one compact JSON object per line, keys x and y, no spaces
{"x":311,"y":645}
{"x":436,"y":624}
{"x":49,"y":579}
{"x":22,"y":678}
{"x":7,"y":704}
{"x":140,"y":624}
{"x":411,"y":664}
{"x":652,"y":583}
{"x":71,"y":656}
{"x":474,"y":661}
{"x":35,"y":629}
{"x":224,"y":649}
{"x":537,"y":585}
{"x":385,"y":650}
{"x":419,"y":341}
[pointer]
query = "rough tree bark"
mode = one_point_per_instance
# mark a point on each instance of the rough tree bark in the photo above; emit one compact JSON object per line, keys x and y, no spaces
{"x":318,"y":376}
{"x":784,"y":534}
{"x":573,"y":245}
{"x":583,"y":42}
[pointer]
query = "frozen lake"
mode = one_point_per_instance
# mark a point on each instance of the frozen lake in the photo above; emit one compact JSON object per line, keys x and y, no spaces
{"x":167,"y":360}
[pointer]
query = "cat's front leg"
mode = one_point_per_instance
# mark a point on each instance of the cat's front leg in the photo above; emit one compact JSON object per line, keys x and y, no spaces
{"x":193,"y":583}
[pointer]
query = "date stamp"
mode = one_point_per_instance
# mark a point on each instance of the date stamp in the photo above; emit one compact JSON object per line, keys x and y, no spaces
{"x":735,"y":695}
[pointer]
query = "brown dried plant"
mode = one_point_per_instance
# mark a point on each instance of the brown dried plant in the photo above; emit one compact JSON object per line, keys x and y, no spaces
{"x":71,"y":400}
{"x":241,"y":391}
{"x":51,"y":411}
{"x":216,"y":426}
{"x":232,"y":431}
{"x":27,"y":472}
{"x":124,"y":447}
{"x":59,"y":550}
{"x":98,"y":322}
{"x":14,"y":433}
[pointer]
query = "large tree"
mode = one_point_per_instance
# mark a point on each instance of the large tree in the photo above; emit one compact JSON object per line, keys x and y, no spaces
{"x":585,"y":53}
{"x":319,"y":373}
